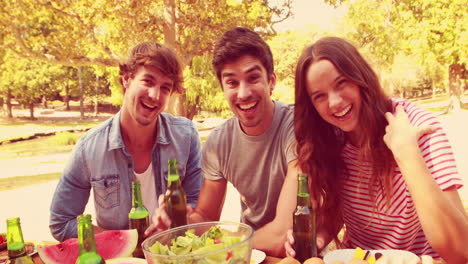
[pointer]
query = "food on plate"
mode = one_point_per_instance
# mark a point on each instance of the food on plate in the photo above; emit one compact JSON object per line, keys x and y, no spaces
{"x":360,"y":256}
{"x":109,"y":244}
{"x":360,"y":253}
{"x":3,"y":243}
{"x":371,"y":259}
{"x":337,"y":262}
{"x":211,"y":240}
{"x":126,"y":261}
{"x":314,"y":260}
{"x":289,"y":260}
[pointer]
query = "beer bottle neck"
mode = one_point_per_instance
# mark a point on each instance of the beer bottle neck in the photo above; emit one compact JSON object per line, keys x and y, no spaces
{"x":303,"y":195}
{"x":138,"y":210}
{"x":173,"y":179}
{"x":86,"y":239}
{"x":15,"y":241}
{"x":137,"y":200}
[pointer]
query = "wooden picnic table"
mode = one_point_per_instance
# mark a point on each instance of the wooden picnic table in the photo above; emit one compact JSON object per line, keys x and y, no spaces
{"x":268,"y":260}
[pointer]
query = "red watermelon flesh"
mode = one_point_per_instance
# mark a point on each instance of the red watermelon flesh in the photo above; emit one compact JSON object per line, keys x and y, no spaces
{"x":109,"y":244}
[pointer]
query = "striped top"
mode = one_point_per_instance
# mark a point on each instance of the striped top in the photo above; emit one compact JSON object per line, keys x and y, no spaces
{"x":398,"y":227}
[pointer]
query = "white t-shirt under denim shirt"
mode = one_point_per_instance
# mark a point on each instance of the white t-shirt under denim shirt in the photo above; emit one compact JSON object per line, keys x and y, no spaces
{"x":148,"y":190}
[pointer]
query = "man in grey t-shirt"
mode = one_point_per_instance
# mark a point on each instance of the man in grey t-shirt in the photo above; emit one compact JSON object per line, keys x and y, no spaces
{"x":253,"y":150}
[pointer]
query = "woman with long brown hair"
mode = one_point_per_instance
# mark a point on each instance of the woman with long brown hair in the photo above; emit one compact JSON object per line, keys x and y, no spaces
{"x":381,"y":167}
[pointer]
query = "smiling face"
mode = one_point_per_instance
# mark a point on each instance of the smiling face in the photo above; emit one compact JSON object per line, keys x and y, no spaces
{"x":146,"y":95}
{"x":248,"y":91}
{"x":336,"y":98}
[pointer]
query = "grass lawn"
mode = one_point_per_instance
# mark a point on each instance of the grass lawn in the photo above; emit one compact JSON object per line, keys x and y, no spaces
{"x":22,"y":181}
{"x":24,"y":127}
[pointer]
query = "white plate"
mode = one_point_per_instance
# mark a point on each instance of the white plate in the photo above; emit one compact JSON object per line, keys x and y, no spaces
{"x":394,"y":256}
{"x":257,"y":256}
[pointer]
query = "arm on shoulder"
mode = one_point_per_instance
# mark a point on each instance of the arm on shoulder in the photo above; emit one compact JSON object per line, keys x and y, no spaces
{"x":271,"y":237}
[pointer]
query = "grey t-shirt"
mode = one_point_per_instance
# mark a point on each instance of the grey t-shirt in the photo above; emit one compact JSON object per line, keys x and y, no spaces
{"x":255,"y":165}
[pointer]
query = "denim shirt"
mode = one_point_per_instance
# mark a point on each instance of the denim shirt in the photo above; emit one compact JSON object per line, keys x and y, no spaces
{"x":101,"y":162}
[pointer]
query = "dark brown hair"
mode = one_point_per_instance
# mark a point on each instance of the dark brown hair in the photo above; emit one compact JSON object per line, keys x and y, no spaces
{"x":156,"y":55}
{"x":238,"y":42}
{"x":319,"y":144}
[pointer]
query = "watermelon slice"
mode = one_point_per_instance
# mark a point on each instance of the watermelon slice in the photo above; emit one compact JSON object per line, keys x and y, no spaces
{"x":109,"y":244}
{"x":126,"y":261}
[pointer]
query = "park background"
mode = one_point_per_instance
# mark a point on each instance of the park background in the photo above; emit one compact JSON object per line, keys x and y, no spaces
{"x":58,"y":74}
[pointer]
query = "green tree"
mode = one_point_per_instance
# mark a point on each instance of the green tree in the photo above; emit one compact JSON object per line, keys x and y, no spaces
{"x":432,"y":30}
{"x":98,"y":32}
{"x":286,"y":48}
{"x":28,"y":80}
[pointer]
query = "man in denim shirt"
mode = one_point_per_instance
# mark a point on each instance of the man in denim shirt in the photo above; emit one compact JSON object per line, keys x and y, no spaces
{"x":136,"y":143}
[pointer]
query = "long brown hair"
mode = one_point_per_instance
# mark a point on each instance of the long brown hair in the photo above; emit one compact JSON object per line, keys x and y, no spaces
{"x":319,"y":144}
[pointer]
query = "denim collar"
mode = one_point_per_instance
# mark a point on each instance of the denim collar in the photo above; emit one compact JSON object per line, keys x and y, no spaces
{"x":115,"y":135}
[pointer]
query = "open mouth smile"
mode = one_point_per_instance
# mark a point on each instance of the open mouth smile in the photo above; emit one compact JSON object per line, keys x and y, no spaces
{"x":343,"y":113}
{"x":247,"y":107}
{"x":148,"y":106}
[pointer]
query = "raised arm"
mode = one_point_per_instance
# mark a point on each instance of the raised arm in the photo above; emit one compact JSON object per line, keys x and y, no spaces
{"x":440,"y":212}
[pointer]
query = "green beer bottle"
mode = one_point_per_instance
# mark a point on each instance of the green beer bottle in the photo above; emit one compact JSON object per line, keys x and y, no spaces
{"x":15,"y":243}
{"x":138,"y":217}
{"x":175,"y":198}
{"x":86,"y":242}
{"x":304,"y":225}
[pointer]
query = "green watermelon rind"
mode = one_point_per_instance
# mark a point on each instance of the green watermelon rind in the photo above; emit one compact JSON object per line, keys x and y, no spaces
{"x":107,"y":245}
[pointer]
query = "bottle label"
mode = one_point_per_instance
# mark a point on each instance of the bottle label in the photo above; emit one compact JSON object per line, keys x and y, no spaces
{"x":15,"y":246}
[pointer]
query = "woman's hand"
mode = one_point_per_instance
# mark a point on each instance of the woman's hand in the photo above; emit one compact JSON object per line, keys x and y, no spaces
{"x":289,"y":244}
{"x":400,"y":134}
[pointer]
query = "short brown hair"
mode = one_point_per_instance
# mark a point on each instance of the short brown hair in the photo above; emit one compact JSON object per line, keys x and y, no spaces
{"x":156,"y":55}
{"x":238,"y":42}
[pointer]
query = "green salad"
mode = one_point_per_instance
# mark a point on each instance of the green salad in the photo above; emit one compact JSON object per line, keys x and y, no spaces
{"x":212,"y":240}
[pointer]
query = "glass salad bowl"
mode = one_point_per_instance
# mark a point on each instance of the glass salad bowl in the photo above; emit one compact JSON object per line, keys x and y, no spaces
{"x":201,"y":243}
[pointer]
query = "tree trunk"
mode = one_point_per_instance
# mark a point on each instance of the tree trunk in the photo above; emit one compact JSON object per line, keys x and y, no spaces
{"x":8,"y":104}
{"x":67,"y":97}
{"x":44,"y":102}
{"x":433,"y":89}
{"x":455,"y":71}
{"x":176,"y":105}
{"x":96,"y":97}
{"x":31,"y":111}
{"x":192,"y":110}
{"x":169,"y":28}
{"x":80,"y":80}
